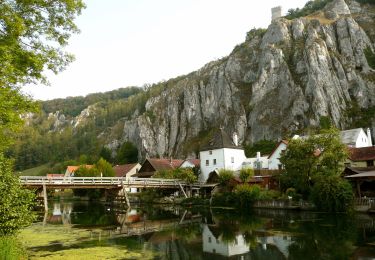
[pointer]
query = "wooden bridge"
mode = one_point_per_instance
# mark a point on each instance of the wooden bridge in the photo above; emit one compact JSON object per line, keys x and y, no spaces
{"x":113,"y":183}
{"x":106,"y":182}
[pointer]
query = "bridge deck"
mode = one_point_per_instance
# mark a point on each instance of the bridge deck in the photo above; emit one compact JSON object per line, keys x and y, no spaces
{"x":106,"y":182}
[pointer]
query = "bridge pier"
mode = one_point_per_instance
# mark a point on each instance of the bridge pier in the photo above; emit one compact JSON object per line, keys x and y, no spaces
{"x":45,"y":198}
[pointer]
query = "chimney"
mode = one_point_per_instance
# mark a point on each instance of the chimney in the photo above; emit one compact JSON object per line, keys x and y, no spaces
{"x":258,"y":156}
{"x":235,"y":139}
{"x":369,"y":137}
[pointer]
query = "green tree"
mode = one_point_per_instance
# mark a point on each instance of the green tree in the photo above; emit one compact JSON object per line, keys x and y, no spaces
{"x":306,"y":159}
{"x":15,"y":202}
{"x":262,"y":146}
{"x":104,"y":168}
{"x":32,"y":36}
{"x":332,"y":194}
{"x":185,"y":174}
{"x":246,"y":174}
{"x":106,"y":154}
{"x":128,"y":153}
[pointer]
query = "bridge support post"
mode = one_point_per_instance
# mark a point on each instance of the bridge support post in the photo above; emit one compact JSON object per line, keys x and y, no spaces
{"x":182,"y":189}
{"x":45,"y":198}
{"x":126,"y":196}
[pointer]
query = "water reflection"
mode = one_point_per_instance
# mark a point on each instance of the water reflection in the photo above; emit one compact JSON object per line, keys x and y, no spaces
{"x":177,"y":233}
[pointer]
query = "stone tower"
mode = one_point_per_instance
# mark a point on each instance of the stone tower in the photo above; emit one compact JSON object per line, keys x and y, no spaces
{"x":276,"y":12}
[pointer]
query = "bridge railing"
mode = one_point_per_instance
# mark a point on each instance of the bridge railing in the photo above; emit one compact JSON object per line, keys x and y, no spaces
{"x":42,"y":180}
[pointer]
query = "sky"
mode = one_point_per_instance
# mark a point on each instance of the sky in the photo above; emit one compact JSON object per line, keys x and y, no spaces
{"x":135,"y":42}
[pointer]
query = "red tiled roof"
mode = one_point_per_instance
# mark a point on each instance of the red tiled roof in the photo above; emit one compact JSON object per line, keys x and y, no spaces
{"x":122,"y":170}
{"x":159,"y":165}
{"x":362,"y":154}
{"x":165,"y":164}
{"x":53,"y":175}
{"x":72,"y":169}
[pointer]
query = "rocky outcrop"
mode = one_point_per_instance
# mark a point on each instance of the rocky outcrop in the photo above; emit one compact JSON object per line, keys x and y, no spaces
{"x":272,"y":85}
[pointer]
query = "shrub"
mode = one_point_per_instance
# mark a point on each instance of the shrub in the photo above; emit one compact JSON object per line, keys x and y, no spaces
{"x":246,"y":194}
{"x":228,"y":199}
{"x":332,"y":194}
{"x":225,"y":176}
{"x":246,"y":174}
{"x":10,"y":248}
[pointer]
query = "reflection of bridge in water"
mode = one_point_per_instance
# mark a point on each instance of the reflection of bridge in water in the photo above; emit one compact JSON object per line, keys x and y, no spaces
{"x":118,"y":184}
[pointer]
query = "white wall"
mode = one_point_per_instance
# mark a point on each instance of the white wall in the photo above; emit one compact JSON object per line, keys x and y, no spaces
{"x":216,"y":246}
{"x":238,"y":157}
{"x":362,"y":140}
{"x":251,"y":162}
{"x":133,"y":171}
{"x":217,"y":154}
{"x":187,"y":164}
{"x":273,"y":161}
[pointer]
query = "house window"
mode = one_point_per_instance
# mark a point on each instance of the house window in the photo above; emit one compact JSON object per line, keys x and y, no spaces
{"x":209,"y":239}
{"x":347,"y":164}
{"x":232,"y":159}
{"x":207,"y":162}
{"x":280,"y":166}
{"x":210,"y":152}
{"x":214,"y":161}
{"x":370,"y":163}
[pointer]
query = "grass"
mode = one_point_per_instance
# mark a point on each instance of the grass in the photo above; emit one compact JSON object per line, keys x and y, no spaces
{"x":10,"y":249}
{"x":33,"y":171}
{"x":64,"y":242}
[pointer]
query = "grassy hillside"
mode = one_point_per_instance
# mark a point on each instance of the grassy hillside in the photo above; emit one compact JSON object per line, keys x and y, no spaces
{"x":34,"y":171}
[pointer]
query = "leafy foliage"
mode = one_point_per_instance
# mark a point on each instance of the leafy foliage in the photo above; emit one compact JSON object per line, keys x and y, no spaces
{"x":32,"y":34}
{"x":11,"y":248}
{"x":185,"y":174}
{"x":104,"y":168}
{"x":15,"y":201}
{"x":72,"y":106}
{"x":332,"y":194}
{"x":309,"y":8}
{"x":247,"y":194}
{"x":370,"y":57}
{"x":246,"y":174}
{"x":128,"y":153}
{"x":263,"y":146}
{"x":225,"y":176}
{"x":313,"y":160}
{"x":13,"y":104}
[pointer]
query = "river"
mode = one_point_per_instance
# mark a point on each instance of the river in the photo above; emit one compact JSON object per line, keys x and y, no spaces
{"x":84,"y":230}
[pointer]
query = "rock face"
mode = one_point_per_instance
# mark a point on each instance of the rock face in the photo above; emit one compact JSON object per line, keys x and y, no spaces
{"x":278,"y":82}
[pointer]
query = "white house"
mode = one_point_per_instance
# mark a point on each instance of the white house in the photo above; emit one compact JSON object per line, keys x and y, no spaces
{"x":258,"y":162}
{"x":274,"y":158}
{"x":356,"y":138}
{"x":214,"y":245}
{"x":221,"y":152}
{"x":190,"y":163}
{"x":127,"y":171}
